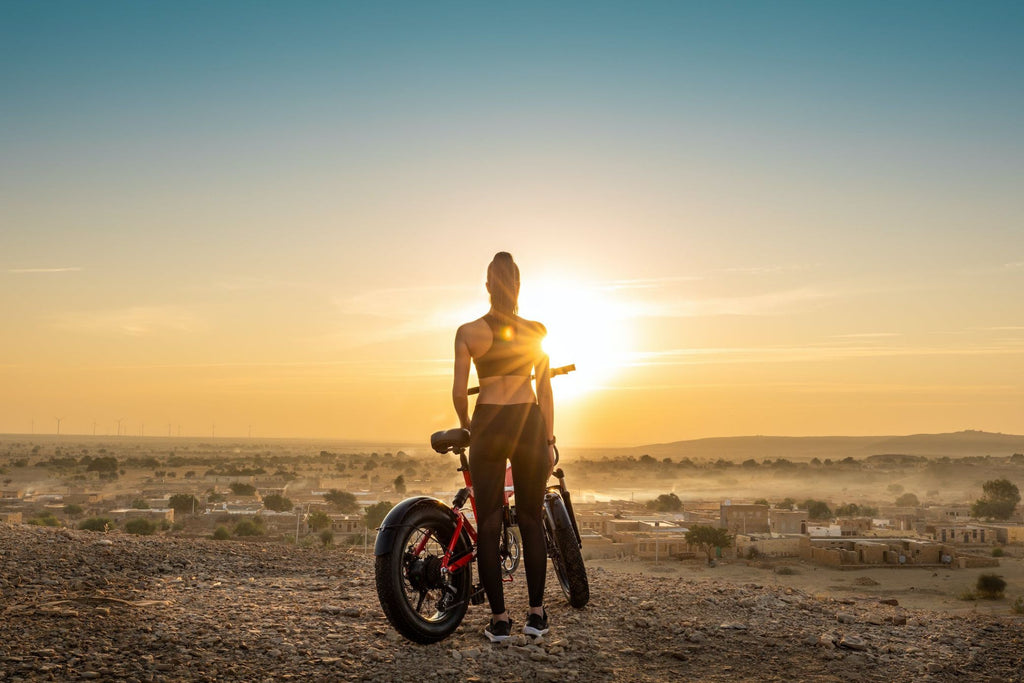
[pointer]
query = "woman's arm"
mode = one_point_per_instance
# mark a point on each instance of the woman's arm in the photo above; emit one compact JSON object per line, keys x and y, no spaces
{"x":460,"y":383}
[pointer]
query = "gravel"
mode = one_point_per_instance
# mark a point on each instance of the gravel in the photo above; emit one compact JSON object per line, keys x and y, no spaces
{"x":79,"y":605}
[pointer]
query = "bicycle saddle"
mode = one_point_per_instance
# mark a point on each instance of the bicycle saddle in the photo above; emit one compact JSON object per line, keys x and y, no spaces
{"x":450,"y":440}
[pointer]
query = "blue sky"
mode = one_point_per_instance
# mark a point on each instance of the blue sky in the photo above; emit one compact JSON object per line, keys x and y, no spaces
{"x":205,"y":168}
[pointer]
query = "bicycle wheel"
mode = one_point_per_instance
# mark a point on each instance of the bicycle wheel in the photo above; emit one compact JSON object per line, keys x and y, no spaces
{"x":421,"y":602}
{"x":509,"y":550}
{"x":564,"y":551}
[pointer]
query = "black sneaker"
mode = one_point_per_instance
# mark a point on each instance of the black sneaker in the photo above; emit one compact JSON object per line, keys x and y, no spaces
{"x":498,"y":631}
{"x":536,"y":624}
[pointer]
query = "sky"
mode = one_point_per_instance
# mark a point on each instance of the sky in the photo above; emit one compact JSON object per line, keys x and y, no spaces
{"x":268,"y":218}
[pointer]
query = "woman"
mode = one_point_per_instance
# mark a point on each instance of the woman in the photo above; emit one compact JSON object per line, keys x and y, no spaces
{"x":510,"y":423}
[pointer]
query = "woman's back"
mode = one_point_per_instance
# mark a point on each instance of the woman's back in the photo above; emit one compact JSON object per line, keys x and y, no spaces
{"x":505,"y":351}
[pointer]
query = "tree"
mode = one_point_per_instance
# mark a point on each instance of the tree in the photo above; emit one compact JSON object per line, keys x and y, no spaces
{"x":908,"y":500}
{"x":184,"y":503}
{"x":666,"y":502}
{"x":816,"y":509}
{"x":399,"y":484}
{"x":999,"y":500}
{"x":376,"y":513}
{"x":140,"y":504}
{"x":708,"y":538}
{"x":73,"y":510}
{"x":318,"y":520}
{"x":240,"y":489}
{"x":277,"y":503}
{"x":342,"y":501}
{"x":327,"y":537}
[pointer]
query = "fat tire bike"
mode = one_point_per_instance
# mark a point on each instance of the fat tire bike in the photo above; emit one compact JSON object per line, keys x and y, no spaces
{"x":426,"y":548}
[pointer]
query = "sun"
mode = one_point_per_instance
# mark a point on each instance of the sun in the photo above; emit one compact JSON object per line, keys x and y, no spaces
{"x":586,"y":326}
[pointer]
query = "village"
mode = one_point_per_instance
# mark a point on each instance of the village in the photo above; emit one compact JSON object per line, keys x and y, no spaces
{"x":340,"y":499}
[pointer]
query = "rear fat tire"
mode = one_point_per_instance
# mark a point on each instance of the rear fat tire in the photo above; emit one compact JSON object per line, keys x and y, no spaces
{"x":398,"y":599}
{"x":565,"y":553}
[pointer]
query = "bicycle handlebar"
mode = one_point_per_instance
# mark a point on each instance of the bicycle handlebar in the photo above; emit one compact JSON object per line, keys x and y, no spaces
{"x":563,"y":370}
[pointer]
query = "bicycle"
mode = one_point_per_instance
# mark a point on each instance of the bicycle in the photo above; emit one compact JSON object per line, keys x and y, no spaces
{"x":425,"y":550}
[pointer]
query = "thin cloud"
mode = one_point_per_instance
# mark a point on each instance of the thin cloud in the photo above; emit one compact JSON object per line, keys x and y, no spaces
{"x":726,"y":355}
{"x":867,"y":335}
{"x":137,"y":321}
{"x":22,"y":271}
{"x":648,"y":283}
{"x":768,"y":304}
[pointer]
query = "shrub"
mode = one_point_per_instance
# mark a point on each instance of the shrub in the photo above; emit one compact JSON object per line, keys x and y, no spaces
{"x":277,"y":502}
{"x":248,"y":528}
{"x":73,"y":510}
{"x":327,"y":537}
{"x":221,"y":533}
{"x":990,"y":586}
{"x":786,"y":571}
{"x":140,"y":526}
{"x":998,"y":552}
{"x":1018,"y":606}
{"x":44,"y":519}
{"x":241,"y":489}
{"x":96,"y":524}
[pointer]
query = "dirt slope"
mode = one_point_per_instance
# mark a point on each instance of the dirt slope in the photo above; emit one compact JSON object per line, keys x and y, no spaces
{"x":80,"y":606}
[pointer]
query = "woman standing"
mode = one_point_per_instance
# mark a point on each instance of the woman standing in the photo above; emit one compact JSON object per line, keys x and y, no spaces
{"x":510,"y":423}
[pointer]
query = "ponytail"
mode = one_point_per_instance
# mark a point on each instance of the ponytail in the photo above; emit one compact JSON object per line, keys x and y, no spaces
{"x":503,"y":284}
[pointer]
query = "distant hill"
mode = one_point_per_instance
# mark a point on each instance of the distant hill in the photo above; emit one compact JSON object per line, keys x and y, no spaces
{"x":738,"y":448}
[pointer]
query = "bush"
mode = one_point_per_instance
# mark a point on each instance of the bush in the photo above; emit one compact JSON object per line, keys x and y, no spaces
{"x":327,"y":537}
{"x":240,"y":489}
{"x":221,"y":533}
{"x":990,"y":586}
{"x":248,"y":528}
{"x":1018,"y":606}
{"x":277,"y":502}
{"x":45,"y":519}
{"x":140,"y":526}
{"x":786,"y":571}
{"x":998,"y":552}
{"x":96,"y":524}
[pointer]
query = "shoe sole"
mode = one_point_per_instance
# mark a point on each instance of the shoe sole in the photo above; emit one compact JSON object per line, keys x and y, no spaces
{"x":535,"y":632}
{"x":496,"y":639}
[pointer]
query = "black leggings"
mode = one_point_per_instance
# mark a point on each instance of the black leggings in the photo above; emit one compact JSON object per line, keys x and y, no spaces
{"x":512,"y":433}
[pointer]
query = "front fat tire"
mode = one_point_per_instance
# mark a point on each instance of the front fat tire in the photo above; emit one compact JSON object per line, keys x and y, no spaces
{"x":567,"y":558}
{"x":393,"y":587}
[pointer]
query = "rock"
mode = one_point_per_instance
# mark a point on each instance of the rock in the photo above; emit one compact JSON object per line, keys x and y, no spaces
{"x":852,"y":642}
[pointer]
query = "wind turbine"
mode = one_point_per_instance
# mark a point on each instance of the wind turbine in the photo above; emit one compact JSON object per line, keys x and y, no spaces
{"x":119,"y":425}
{"x":58,"y":419}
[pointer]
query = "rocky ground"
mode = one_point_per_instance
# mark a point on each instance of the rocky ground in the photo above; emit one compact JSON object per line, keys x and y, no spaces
{"x":79,"y":605}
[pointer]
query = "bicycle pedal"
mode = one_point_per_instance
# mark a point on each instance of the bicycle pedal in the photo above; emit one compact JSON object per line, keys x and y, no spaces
{"x":478,"y":596}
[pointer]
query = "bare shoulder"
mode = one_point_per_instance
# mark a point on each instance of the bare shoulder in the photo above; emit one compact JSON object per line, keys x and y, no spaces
{"x":535,"y":327}
{"x":473,"y":331}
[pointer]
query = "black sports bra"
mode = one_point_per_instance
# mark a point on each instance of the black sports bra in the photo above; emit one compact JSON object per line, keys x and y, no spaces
{"x":514,"y":349}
